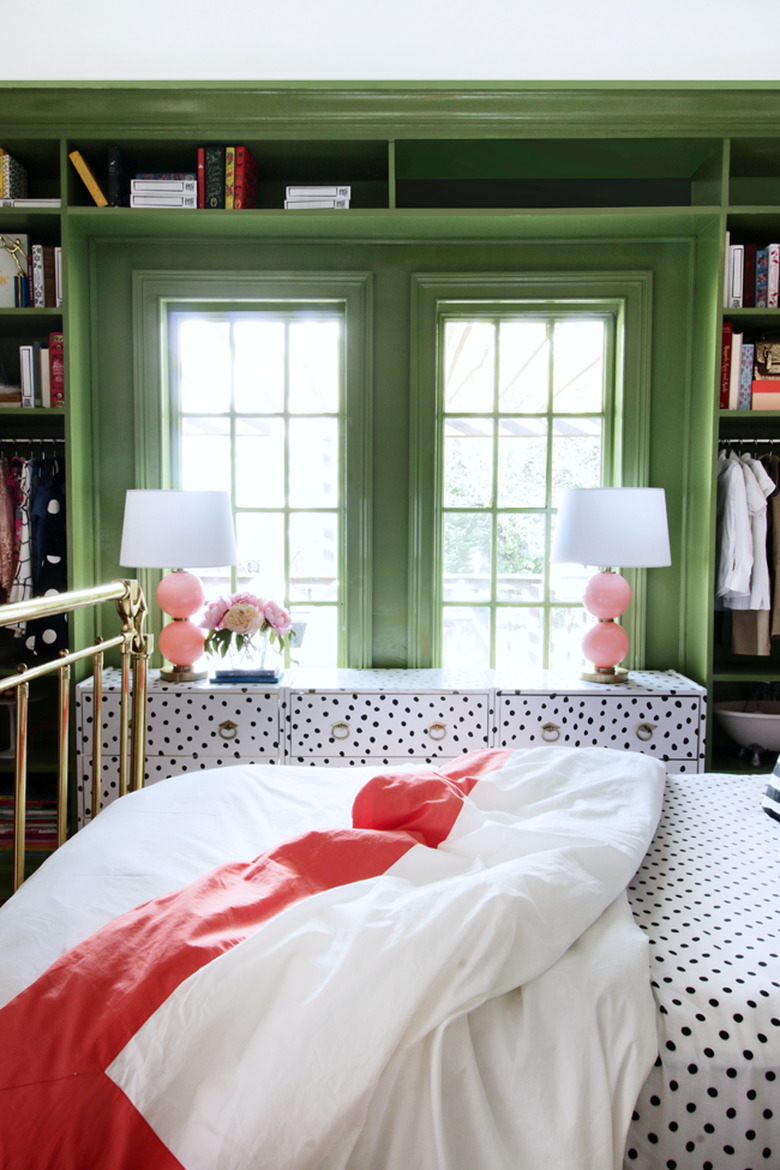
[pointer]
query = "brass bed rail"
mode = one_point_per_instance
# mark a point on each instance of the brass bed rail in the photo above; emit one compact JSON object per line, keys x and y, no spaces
{"x":134,"y":646}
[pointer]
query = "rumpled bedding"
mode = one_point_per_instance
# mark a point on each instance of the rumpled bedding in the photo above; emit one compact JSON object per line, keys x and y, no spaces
{"x":227,"y":970}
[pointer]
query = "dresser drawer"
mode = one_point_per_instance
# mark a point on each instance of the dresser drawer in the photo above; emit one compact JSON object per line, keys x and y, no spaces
{"x":663,"y":726}
{"x":337,"y":726}
{"x":230,"y":725}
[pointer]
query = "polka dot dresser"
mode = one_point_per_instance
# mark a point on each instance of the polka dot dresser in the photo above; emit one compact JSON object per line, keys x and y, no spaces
{"x":351,"y":717}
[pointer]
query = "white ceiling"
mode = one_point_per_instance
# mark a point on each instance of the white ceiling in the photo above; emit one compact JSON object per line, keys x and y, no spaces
{"x":403,"y":40}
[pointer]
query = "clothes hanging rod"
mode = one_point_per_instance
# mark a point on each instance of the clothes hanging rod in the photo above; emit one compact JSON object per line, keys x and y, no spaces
{"x":29,"y":440}
{"x":744,"y":442}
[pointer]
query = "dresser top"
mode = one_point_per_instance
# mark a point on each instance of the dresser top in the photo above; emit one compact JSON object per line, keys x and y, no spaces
{"x":661,"y":682}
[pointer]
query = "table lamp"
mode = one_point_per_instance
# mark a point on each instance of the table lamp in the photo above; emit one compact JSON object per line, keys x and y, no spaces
{"x":610,"y":526}
{"x":167,"y":529}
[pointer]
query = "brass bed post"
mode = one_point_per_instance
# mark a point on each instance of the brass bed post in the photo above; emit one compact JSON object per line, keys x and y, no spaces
{"x":62,"y":754}
{"x":131,"y":605}
{"x":97,"y":728}
{"x":20,"y":783}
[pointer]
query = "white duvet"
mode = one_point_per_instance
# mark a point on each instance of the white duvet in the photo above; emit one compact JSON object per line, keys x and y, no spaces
{"x":480,"y":1005}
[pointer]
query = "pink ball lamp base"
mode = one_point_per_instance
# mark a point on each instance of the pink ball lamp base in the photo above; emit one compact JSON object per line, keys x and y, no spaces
{"x":607,"y":595}
{"x":180,"y":595}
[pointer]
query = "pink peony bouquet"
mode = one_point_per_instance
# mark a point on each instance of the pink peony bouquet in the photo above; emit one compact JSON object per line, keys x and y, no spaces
{"x":241,"y":616}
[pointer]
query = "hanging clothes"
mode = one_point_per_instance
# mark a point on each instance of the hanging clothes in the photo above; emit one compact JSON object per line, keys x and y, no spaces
{"x":743,"y":534}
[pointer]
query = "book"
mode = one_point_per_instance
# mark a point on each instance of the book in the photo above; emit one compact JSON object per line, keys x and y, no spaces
{"x":57,"y":369}
{"x":725,"y":364}
{"x":88,"y":179}
{"x":37,"y":288}
{"x":313,"y":204}
{"x":166,"y":176}
{"x":214,"y":176}
{"x":744,"y":397}
{"x":45,"y":375}
{"x":26,"y":371}
{"x":762,"y":276}
{"x":749,"y":277}
{"x":230,"y":176}
{"x":13,"y":177}
{"x":201,"y":177}
{"x":246,"y":180}
{"x":118,"y":189}
{"x":49,"y":280}
{"x":57,"y":276}
{"x":37,"y":359}
{"x":53,"y":203}
{"x":321,"y":191}
{"x":736,"y":273}
{"x":164,"y":199}
{"x":158,"y":186}
{"x":766,"y":395}
{"x":14,"y":269}
{"x":736,"y":366}
{"x":773,"y":276}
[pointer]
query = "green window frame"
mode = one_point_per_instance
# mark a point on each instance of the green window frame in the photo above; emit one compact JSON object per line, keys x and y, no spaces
{"x":161,"y":299}
{"x":624,"y":302}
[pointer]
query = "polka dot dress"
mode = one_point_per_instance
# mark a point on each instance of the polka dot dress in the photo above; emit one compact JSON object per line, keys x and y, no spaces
{"x":707,"y":898}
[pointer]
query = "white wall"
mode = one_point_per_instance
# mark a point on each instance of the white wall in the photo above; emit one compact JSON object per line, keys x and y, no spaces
{"x":456,"y":40}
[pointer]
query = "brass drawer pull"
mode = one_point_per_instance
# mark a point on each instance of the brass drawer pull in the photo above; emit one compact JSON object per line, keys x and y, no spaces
{"x":228,"y":729}
{"x":437,"y":731}
{"x":550,"y":732}
{"x":339,"y":730}
{"x":645,"y":731}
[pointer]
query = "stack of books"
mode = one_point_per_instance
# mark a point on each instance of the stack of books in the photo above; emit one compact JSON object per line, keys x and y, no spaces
{"x":228,"y":178}
{"x":42,"y":373}
{"x":318,"y":196}
{"x":164,"y":190}
{"x":30,"y":274}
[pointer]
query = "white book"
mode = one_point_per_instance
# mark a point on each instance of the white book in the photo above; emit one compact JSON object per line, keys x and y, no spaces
{"x":736,"y":367}
{"x":163,"y":200}
{"x":38,"y":290}
{"x":159,"y":186}
{"x":736,"y":275}
{"x":324,"y":191}
{"x":27,"y":380}
{"x":58,"y":276}
{"x":45,"y":377}
{"x":313,"y":204}
{"x":773,"y":277}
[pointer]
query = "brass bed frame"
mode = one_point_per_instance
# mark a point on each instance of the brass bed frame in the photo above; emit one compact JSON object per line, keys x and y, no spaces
{"x":134,"y":646}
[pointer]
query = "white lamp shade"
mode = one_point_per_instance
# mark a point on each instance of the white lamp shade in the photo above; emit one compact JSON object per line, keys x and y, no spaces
{"x":166,"y":529}
{"x":612,"y":527}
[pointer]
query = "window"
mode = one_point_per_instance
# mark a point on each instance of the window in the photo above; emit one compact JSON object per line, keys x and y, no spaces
{"x":517,"y":392}
{"x":525,"y":410}
{"x":258,"y":412}
{"x":241,"y":407}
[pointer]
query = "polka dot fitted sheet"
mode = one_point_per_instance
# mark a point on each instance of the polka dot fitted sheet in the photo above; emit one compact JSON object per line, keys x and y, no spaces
{"x":708,"y":897}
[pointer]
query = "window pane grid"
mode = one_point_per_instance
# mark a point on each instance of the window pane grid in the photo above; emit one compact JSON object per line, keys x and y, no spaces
{"x":274,"y":441}
{"x":547,"y":380}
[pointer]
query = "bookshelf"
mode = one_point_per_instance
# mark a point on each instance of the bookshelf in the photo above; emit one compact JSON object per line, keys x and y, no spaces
{"x":477,"y":178}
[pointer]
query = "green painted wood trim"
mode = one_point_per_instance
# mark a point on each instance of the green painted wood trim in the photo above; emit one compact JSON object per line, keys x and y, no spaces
{"x":629,"y":296}
{"x":155,"y":291}
{"x":385,"y":110}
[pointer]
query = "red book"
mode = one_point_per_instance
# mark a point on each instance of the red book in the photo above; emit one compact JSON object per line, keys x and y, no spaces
{"x":725,"y":364}
{"x":246,"y":179}
{"x":201,"y":172}
{"x":56,"y":369}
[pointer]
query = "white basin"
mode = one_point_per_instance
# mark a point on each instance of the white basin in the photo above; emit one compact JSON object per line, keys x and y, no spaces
{"x":754,"y":724}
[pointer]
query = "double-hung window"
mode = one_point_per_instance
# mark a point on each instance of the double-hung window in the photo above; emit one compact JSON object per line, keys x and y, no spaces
{"x":525,"y":410}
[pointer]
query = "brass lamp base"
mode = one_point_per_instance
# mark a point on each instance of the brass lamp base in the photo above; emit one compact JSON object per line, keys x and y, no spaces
{"x":182,"y":674}
{"x":607,"y":674}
